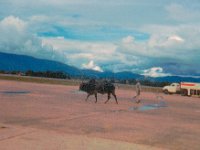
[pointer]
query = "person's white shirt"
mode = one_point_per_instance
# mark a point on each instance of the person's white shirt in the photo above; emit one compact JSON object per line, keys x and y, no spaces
{"x":138,"y":88}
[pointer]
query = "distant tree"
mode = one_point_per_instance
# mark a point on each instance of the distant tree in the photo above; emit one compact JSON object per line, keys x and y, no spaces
{"x":48,"y":74}
{"x":14,"y":72}
{"x":2,"y":71}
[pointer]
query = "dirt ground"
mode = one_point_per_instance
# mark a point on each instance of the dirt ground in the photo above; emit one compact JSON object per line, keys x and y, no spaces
{"x":53,"y":117}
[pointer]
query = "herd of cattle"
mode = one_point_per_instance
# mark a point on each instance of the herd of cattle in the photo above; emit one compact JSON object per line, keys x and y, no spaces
{"x":93,"y":87}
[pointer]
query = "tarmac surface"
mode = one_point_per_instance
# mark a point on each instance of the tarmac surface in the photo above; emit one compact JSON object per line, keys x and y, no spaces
{"x":57,"y":117}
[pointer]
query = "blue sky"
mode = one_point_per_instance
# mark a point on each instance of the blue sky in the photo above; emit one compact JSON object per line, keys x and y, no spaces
{"x":154,"y":38}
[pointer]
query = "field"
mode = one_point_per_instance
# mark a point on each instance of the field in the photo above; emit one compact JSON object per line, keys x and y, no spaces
{"x":67,"y":82}
{"x":38,"y":79}
{"x":53,"y":116}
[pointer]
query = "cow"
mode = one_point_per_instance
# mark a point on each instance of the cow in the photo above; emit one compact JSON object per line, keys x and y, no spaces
{"x":93,"y":87}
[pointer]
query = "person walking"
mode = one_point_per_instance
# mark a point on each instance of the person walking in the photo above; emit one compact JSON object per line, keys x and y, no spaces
{"x":138,"y":91}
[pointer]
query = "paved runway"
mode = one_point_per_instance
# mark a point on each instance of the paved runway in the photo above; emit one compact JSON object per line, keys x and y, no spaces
{"x":42,"y":116}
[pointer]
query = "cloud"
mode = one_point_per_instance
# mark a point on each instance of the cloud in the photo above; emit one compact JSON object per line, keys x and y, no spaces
{"x":92,"y":66}
{"x":167,"y":44}
{"x":184,"y":11}
{"x":13,"y":23}
{"x":63,"y":44}
{"x":104,"y":53}
{"x":128,"y":39}
{"x":175,"y":38}
{"x":155,"y":72}
{"x":78,"y":52}
{"x":75,"y":32}
{"x":15,"y":38}
{"x":166,"y":41}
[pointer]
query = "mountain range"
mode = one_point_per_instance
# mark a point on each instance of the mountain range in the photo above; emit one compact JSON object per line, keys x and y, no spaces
{"x":14,"y":62}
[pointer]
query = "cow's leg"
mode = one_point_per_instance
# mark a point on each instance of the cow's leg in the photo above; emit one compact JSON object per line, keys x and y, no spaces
{"x":87,"y":97}
{"x":95,"y":97}
{"x":113,"y":93}
{"x":108,"y":98}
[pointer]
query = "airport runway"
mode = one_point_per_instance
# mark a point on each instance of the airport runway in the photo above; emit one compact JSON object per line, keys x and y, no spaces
{"x":56,"y":117}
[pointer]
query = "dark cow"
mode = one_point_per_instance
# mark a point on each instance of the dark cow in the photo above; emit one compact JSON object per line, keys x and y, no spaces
{"x":93,"y":87}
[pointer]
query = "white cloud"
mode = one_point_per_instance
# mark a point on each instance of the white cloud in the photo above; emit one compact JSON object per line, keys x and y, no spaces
{"x":176,"y":38}
{"x":92,"y":66}
{"x":62,"y":44}
{"x":78,"y":52}
{"x":15,"y":38}
{"x":155,"y":72}
{"x":13,"y":23}
{"x":128,"y":39}
{"x":104,"y":53}
{"x":166,"y":43}
{"x":173,"y":42}
{"x":183,"y":12}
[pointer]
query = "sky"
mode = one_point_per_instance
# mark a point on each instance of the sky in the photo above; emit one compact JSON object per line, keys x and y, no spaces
{"x":150,"y":37}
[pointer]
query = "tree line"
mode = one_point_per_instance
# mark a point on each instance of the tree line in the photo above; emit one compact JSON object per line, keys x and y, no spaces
{"x":46,"y":74}
{"x":145,"y":82}
{"x":62,"y":75}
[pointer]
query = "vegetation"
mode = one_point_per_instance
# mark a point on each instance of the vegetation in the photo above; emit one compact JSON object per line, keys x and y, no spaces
{"x":143,"y":82}
{"x":39,"y":80}
{"x":60,"y":75}
{"x":48,"y":74}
